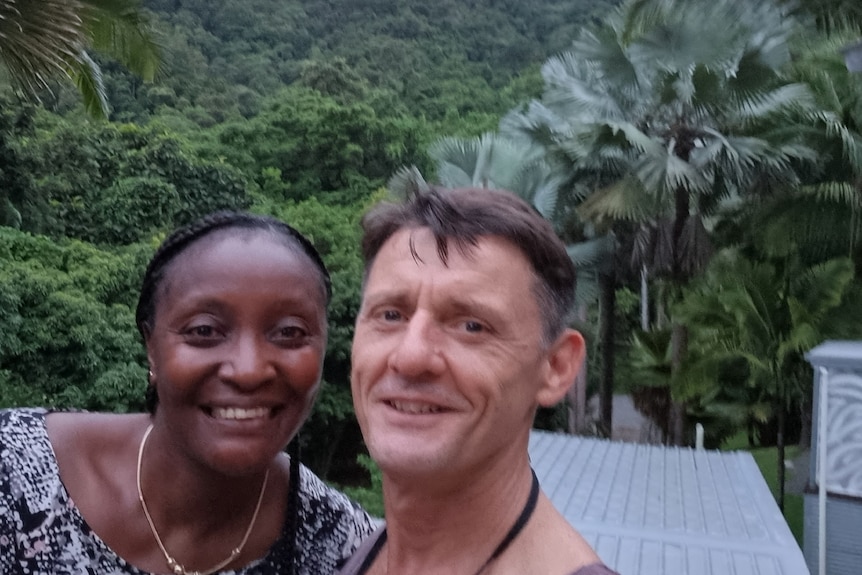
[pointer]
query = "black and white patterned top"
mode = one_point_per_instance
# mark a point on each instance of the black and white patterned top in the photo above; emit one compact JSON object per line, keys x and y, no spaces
{"x":42,"y":531}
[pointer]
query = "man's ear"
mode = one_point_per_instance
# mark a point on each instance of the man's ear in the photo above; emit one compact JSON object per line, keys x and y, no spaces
{"x":562,"y":365}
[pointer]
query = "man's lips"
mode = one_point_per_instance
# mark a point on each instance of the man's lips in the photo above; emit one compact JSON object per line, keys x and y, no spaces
{"x":414,"y":407}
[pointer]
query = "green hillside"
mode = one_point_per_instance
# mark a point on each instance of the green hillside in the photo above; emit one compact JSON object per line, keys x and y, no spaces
{"x":439,"y":59}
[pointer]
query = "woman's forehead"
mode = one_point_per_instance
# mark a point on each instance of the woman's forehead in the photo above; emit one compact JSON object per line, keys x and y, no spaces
{"x":241,"y":258}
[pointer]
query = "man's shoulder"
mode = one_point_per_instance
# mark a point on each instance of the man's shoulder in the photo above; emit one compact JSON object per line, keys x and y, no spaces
{"x":595,"y":569}
{"x":552,"y":531}
{"x":365,"y":553}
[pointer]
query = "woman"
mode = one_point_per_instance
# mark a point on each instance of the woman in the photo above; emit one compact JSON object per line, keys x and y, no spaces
{"x":233,"y":314}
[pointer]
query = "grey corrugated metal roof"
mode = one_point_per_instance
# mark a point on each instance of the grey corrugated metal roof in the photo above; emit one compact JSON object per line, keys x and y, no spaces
{"x":654,"y":510}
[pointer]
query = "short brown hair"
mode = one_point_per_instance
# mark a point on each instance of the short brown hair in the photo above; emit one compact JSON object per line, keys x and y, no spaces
{"x":464,"y":215}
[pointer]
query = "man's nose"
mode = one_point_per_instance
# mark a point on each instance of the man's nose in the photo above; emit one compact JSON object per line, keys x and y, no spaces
{"x":418,"y":353}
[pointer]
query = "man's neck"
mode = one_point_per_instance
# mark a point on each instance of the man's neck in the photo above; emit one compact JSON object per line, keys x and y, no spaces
{"x":448,"y":525}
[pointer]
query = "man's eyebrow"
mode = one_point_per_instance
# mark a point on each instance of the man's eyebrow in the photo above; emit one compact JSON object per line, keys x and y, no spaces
{"x":394,"y":296}
{"x":474,"y":306}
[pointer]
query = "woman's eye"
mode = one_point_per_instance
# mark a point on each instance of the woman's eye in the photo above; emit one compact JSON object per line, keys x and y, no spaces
{"x":290,"y":335}
{"x":291,"y":332}
{"x":202,"y":334}
{"x":202,"y":331}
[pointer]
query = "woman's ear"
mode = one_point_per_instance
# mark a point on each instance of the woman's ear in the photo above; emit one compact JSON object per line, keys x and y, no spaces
{"x":145,"y":331}
{"x":564,"y":360}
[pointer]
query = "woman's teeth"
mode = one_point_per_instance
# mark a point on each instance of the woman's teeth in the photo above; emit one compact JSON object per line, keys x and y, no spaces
{"x":239,"y":412}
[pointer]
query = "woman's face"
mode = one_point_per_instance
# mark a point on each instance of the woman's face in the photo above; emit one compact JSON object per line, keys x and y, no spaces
{"x":236,"y":348}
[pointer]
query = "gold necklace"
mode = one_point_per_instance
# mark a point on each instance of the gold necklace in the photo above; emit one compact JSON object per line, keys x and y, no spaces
{"x":175,"y":567}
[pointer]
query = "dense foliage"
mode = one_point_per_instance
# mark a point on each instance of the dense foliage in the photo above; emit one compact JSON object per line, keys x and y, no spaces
{"x":68,"y":336}
{"x":649,"y":137}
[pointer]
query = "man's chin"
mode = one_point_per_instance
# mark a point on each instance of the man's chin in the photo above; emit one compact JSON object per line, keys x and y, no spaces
{"x":399,"y":461}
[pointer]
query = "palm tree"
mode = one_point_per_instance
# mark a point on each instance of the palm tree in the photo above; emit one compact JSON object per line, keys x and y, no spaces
{"x":823,"y":216}
{"x":829,"y":15}
{"x":45,"y":39}
{"x":670,"y":109}
{"x":766,"y":314}
{"x":497,"y":162}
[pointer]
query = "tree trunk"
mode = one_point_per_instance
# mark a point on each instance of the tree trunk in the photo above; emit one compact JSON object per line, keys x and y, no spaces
{"x":679,"y":337}
{"x":660,"y":315}
{"x":644,"y":300}
{"x":607,"y":310}
{"x":805,"y":409}
{"x":577,"y":398}
{"x":779,"y":443}
{"x":679,"y":348}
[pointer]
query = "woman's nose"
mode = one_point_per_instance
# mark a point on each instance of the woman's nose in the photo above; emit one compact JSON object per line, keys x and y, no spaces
{"x":248,"y":363}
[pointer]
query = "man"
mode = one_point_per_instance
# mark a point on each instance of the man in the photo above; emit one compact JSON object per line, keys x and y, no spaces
{"x":460,"y":337}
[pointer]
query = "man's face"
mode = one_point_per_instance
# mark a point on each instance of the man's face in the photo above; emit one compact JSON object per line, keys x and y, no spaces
{"x":448,"y":361}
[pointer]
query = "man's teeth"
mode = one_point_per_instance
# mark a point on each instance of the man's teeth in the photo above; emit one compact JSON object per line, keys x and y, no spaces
{"x":414,"y":407}
{"x":239,"y":412}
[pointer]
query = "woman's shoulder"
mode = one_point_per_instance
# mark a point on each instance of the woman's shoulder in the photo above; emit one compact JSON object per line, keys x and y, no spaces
{"x":17,"y":420}
{"x":332,"y":525}
{"x":28,"y":468}
{"x":317,"y":496}
{"x":22,"y":434}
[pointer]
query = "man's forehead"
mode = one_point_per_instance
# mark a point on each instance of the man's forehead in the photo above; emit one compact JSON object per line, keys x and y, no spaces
{"x":409,"y":260}
{"x":420,"y":244}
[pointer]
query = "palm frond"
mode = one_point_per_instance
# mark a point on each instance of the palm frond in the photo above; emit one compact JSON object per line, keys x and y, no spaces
{"x":623,"y":200}
{"x":573,"y":90}
{"x":40,"y":40}
{"x":602,"y":49}
{"x":406,"y":182}
{"x":88,"y":78}
{"x":595,"y":253}
{"x":821,"y":287}
{"x":122,"y":30}
{"x":46,"y":39}
{"x":499,"y":162}
{"x":748,"y":106}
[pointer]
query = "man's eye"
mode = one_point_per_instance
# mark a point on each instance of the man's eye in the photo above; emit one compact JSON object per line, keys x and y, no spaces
{"x":473,"y":326}
{"x":391,"y":315}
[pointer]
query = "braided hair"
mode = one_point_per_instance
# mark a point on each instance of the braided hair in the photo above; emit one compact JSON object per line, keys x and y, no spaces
{"x":293,"y":450}
{"x":178,"y":241}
